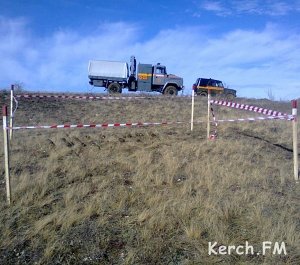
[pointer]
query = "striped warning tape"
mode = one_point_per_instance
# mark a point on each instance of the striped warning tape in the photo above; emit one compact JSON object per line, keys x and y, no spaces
{"x":288,"y":117}
{"x":31,"y":96}
{"x":133,"y":124}
{"x":41,"y":96}
{"x":215,"y":133}
{"x":103,"y":125}
{"x":248,"y":107}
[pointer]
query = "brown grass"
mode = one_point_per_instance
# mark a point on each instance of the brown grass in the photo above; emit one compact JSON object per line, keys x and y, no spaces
{"x":153,"y":195}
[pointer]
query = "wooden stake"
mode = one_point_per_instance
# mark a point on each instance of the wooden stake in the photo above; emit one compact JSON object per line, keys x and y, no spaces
{"x":295,"y":141}
{"x":6,"y":154}
{"x":208,"y":114}
{"x":192,"y":115}
{"x":11,"y":120}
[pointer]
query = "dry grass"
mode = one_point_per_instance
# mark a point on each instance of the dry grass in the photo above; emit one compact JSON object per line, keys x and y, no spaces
{"x":154,"y":195}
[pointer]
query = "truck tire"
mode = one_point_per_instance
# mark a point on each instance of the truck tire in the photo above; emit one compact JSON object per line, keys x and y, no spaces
{"x":171,"y":91}
{"x":114,"y":88}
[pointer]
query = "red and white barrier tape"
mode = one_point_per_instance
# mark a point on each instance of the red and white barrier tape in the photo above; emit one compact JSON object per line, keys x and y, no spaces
{"x":134,"y":124}
{"x":33,"y":96}
{"x":103,"y":125}
{"x":29,"y":96}
{"x":288,"y":117}
{"x":215,"y":133}
{"x":248,"y":107}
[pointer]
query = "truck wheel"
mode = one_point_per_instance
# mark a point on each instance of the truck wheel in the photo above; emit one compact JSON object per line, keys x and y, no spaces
{"x":171,"y":91}
{"x":114,"y":88}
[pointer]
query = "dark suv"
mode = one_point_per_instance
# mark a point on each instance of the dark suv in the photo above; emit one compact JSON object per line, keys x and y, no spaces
{"x":215,"y":86}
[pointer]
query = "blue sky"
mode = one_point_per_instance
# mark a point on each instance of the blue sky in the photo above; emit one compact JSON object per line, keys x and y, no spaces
{"x":251,"y":45}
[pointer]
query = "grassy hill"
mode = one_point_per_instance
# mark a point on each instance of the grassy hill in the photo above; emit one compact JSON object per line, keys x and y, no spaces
{"x":147,"y":195}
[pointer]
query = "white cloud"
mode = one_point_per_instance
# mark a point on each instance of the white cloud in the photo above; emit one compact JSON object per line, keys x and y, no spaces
{"x":280,"y":8}
{"x":272,"y":8}
{"x":236,"y":7}
{"x":252,"y":62}
{"x":213,"y":6}
{"x":58,"y":61}
{"x":216,"y":7}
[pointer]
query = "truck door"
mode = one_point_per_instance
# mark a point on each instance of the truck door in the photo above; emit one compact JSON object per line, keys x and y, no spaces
{"x":159,"y":75}
{"x":144,"y":77}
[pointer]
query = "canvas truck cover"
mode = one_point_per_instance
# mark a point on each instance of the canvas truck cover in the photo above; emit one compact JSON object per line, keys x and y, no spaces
{"x":110,"y":69}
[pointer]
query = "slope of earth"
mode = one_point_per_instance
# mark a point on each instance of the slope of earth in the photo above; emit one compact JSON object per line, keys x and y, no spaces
{"x":147,"y":195}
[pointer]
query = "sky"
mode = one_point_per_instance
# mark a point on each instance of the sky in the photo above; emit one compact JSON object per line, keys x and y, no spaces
{"x":253,"y":46}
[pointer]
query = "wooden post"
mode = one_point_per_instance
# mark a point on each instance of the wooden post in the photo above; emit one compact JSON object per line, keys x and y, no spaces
{"x":295,"y":141}
{"x":208,"y":113}
{"x":192,"y":115}
{"x":11,"y":120}
{"x":6,"y":154}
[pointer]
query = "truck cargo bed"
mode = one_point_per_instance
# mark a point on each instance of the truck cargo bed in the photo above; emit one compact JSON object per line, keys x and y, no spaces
{"x":108,"y":70}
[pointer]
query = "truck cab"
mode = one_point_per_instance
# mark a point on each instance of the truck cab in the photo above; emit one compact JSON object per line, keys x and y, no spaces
{"x":155,"y":78}
{"x":216,"y":87}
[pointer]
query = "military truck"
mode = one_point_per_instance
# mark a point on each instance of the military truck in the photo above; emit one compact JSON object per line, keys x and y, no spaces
{"x":115,"y":76}
{"x":202,"y":85}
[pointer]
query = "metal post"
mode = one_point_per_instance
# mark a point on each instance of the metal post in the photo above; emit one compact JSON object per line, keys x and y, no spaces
{"x":295,"y":140}
{"x":208,"y":114}
{"x":192,"y":115}
{"x":6,"y":154}
{"x":11,"y":120}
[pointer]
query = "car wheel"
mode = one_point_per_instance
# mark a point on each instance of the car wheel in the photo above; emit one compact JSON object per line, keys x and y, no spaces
{"x":203,"y":94}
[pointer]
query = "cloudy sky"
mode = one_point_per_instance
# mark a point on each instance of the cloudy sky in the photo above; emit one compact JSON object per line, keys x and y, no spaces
{"x":251,"y":45}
